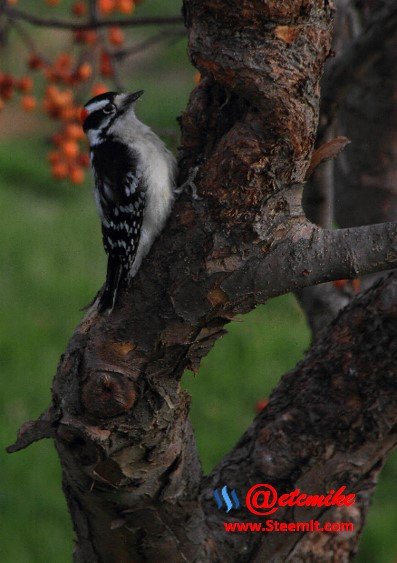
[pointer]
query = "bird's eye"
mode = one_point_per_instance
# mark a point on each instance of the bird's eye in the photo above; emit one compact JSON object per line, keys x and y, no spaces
{"x":108,"y":109}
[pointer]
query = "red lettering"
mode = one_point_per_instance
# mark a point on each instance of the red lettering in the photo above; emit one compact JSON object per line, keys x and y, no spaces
{"x":269,"y":525}
{"x":303,"y":527}
{"x":262,"y":499}
{"x":284,"y":500}
{"x":301,"y":500}
{"x":339,"y":498}
{"x":293,"y":496}
{"x":350,"y":499}
{"x":315,"y":500}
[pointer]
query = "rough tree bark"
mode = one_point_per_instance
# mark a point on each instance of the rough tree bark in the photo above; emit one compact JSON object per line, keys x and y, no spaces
{"x":131,"y":473}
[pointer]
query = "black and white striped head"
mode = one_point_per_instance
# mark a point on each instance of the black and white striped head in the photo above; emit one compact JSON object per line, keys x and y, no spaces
{"x":107,"y":111}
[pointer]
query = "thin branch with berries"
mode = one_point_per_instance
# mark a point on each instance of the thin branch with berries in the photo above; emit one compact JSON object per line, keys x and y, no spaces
{"x":91,"y":23}
{"x":72,"y":78}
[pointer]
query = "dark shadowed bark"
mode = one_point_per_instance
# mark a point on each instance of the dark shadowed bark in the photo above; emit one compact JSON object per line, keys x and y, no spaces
{"x":366,"y":173}
{"x":360,"y":185}
{"x":359,"y":89}
{"x":131,"y":472}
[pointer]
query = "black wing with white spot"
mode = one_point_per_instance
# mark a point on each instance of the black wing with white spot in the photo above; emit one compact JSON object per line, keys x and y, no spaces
{"x":120,"y":196}
{"x":121,"y":224}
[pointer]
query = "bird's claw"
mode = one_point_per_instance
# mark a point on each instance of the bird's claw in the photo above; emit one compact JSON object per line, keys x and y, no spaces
{"x":189,"y":184}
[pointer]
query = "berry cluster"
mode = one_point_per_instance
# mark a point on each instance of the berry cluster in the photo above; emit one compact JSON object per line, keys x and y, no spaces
{"x":107,"y":7}
{"x":70,"y":79}
{"x":11,"y":84}
{"x":69,"y":155}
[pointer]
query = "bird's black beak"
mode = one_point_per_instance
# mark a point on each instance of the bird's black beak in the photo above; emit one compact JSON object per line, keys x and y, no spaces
{"x":131,"y":98}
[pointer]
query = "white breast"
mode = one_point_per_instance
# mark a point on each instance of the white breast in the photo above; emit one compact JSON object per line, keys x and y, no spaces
{"x":158,"y":167}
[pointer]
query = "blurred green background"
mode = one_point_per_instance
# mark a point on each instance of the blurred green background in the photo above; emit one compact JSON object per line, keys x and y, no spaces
{"x":52,"y":264}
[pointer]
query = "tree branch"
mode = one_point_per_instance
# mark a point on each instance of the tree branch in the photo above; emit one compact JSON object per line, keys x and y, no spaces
{"x":92,"y":23}
{"x":321,"y":304}
{"x":163,"y":35}
{"x":308,"y":256}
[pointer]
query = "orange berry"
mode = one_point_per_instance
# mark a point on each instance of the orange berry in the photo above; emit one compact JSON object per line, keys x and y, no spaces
{"x":66,"y":98}
{"x":7,"y":84}
{"x":84,"y":159}
{"x":6,"y":93}
{"x":35,"y":62}
{"x":7,"y":81}
{"x":63,"y":61}
{"x":57,"y":139}
{"x":106,"y":6}
{"x":197,"y":77}
{"x":125,"y":6}
{"x":74,"y":131}
{"x":54,"y":157}
{"x":84,"y":71}
{"x":99,"y":88}
{"x":115,"y":36}
{"x":12,"y":2}
{"x":87,"y":36}
{"x":70,"y":149}
{"x":50,"y":74}
{"x":106,"y":67}
{"x":28,"y":102}
{"x":76,"y":175}
{"x":79,"y":8}
{"x":67,"y":113}
{"x":59,"y":170}
{"x":25,"y":84}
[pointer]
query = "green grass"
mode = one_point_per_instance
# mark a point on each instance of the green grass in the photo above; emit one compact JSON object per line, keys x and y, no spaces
{"x":51,"y":266}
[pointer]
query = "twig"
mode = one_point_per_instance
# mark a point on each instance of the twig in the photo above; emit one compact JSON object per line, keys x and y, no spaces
{"x":3,"y":24}
{"x":92,"y":23}
{"x":34,"y":430}
{"x":27,"y":40}
{"x":139,"y":47}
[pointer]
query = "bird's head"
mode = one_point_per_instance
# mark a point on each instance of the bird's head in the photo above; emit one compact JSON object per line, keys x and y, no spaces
{"x":106,"y":113}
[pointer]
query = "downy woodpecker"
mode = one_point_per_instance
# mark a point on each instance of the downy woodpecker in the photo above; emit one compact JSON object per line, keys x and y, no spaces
{"x":134,"y":185}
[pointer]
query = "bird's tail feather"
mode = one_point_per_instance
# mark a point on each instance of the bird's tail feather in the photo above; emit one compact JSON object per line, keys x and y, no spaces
{"x":108,"y":297}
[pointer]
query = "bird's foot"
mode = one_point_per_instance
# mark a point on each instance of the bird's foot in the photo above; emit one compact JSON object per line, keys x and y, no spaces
{"x":189,"y":184}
